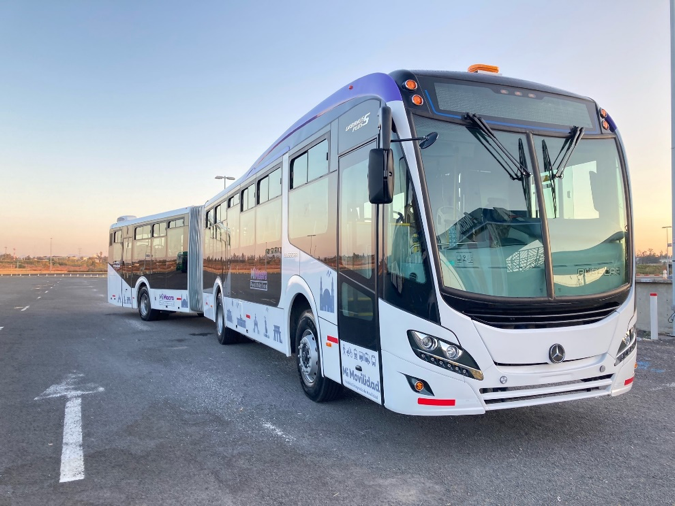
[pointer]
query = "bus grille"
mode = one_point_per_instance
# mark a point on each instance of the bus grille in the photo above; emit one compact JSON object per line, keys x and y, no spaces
{"x":511,"y":397}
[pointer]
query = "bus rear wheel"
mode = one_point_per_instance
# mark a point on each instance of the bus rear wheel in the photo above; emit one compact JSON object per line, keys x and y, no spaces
{"x":225,"y":335}
{"x":145,"y":310}
{"x":315,"y":385}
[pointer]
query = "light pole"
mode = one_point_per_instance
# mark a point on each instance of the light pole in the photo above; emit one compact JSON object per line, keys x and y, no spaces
{"x":50,"y":254}
{"x":667,"y":241}
{"x":225,"y":180}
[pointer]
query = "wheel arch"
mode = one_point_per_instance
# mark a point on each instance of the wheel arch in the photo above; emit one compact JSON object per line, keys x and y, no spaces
{"x":140,"y":282}
{"x":300,"y":300}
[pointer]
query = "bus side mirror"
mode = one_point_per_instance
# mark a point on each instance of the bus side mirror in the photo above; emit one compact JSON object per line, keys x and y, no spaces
{"x":381,"y":176}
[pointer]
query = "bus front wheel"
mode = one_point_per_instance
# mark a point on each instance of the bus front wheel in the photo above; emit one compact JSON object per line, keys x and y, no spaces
{"x":316,"y":386}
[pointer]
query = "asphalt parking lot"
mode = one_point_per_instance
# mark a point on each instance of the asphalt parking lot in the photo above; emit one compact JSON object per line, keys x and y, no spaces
{"x":168,"y":416}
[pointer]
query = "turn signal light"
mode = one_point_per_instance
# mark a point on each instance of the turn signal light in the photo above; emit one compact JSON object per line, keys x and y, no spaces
{"x":417,"y":100}
{"x":419,"y":386}
{"x":605,"y":125}
{"x":482,"y":67}
{"x":410,"y":84}
{"x":603,"y":113}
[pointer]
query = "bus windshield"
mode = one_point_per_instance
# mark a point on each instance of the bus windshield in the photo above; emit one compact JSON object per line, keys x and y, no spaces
{"x":488,"y":223}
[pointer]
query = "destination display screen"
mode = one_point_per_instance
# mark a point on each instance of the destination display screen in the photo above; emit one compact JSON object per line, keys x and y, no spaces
{"x":515,"y":106}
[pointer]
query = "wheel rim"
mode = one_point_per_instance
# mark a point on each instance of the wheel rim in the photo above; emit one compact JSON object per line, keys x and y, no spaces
{"x":220,"y":324}
{"x":145,"y":304}
{"x":308,"y":358}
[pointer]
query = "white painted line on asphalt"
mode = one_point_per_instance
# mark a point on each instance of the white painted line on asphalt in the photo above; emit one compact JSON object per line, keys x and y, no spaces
{"x":25,"y":308}
{"x":278,"y":432}
{"x":72,"y":454}
{"x":39,"y":297}
{"x":2,"y":328}
{"x":72,"y":457}
{"x":46,"y":291}
{"x":669,"y":385}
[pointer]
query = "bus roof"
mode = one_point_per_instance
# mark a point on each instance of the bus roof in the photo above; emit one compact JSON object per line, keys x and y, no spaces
{"x":378,"y":84}
{"x":153,"y":217}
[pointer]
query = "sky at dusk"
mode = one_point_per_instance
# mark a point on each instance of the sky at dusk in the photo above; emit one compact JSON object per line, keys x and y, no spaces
{"x":124,"y":107}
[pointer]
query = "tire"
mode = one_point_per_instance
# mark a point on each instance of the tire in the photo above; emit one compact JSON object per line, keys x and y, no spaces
{"x":225,"y":335}
{"x":145,"y":310}
{"x":308,"y":359}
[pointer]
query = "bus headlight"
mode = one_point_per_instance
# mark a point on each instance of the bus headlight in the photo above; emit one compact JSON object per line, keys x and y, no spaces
{"x":445,"y":355}
{"x":628,"y":344}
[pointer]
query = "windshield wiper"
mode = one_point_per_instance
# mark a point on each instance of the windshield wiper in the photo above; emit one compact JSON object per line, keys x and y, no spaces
{"x":568,"y":147}
{"x":513,"y":167}
{"x":525,"y":181}
{"x":548,"y":167}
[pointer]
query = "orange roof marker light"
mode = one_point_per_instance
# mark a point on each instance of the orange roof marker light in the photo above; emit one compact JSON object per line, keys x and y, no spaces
{"x":410,"y":84}
{"x":417,"y":100}
{"x":482,"y":67}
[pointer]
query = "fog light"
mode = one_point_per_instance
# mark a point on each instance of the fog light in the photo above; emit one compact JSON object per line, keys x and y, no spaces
{"x":419,"y":386}
{"x":503,"y":380}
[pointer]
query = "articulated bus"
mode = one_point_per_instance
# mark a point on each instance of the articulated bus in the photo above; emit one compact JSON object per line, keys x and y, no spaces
{"x":154,"y":263}
{"x":442,"y":243}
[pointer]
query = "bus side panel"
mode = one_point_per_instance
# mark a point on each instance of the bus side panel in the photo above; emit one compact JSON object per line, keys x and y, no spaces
{"x":169,"y":300}
{"x":256,"y":321}
{"x":114,"y":287}
{"x":209,"y":306}
{"x":330,"y":346}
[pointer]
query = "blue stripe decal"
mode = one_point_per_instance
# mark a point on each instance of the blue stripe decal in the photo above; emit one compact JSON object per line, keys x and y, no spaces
{"x":532,"y":127}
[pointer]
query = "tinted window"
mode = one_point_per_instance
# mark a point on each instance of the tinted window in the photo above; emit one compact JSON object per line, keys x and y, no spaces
{"x":357,"y":248}
{"x":177,"y":223}
{"x":317,"y":164}
{"x":143,"y":232}
{"x":244,"y":199}
{"x":275,"y":184}
{"x":355,"y":304}
{"x":312,"y":218}
{"x":159,"y":230}
{"x":248,"y":198}
{"x":263,"y":190}
{"x":299,"y":171}
{"x":310,"y":165}
{"x":251,"y":196}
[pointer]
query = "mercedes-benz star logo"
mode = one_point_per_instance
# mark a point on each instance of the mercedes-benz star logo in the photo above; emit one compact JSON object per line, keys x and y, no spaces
{"x":556,"y":353}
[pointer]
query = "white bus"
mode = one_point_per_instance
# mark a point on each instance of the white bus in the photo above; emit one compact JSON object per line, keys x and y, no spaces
{"x":154,"y":262}
{"x":442,"y":243}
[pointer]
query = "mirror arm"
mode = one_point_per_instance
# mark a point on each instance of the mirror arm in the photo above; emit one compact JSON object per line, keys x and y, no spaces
{"x":411,"y":139}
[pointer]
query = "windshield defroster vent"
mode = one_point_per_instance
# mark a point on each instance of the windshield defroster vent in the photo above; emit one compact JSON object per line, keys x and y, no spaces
{"x":518,"y":320}
{"x":537,"y":314}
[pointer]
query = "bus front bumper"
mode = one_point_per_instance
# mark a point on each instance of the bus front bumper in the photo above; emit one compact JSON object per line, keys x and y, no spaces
{"x":503,"y":387}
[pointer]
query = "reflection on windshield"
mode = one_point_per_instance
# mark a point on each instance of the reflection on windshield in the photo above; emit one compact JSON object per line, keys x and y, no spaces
{"x":487,"y":223}
{"x":586,"y":214}
{"x":488,"y":227}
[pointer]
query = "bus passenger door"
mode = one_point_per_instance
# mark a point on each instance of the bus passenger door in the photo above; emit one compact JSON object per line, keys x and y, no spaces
{"x":358,"y":327}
